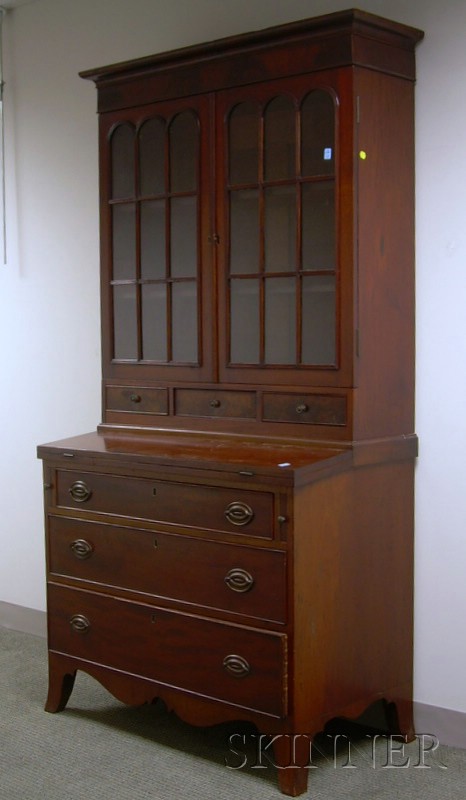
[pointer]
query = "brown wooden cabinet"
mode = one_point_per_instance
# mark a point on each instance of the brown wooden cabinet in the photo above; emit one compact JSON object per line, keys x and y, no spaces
{"x":236,"y":537}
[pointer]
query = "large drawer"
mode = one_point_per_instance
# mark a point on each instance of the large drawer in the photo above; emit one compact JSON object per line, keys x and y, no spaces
{"x":230,"y":663}
{"x":190,"y":506}
{"x":235,"y":578}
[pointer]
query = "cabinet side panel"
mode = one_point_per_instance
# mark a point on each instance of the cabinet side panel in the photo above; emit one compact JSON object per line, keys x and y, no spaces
{"x":353,"y":566}
{"x":384,"y":401}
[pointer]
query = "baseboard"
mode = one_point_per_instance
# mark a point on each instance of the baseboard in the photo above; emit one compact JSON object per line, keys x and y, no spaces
{"x":447,"y":725}
{"x":26,"y":620}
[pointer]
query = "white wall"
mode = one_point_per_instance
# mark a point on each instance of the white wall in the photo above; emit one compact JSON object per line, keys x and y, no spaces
{"x":49,"y":315}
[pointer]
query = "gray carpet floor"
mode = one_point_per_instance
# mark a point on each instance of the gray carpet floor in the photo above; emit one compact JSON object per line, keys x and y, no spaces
{"x":100,"y":749}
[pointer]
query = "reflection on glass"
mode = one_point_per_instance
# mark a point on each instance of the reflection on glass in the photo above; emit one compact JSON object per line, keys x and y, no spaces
{"x":280,"y":137}
{"x":318,"y":134}
{"x":318,"y":320}
{"x":124,"y":241}
{"x":154,"y":322}
{"x":280,"y":321}
{"x":125,"y":322}
{"x":244,"y":143}
{"x":152,"y":157}
{"x":183,"y":237}
{"x":183,"y":135}
{"x":122,"y":158}
{"x":245,"y":334}
{"x":318,"y":215}
{"x":280,"y":229}
{"x":184,"y":322}
{"x":244,"y":231}
{"x":153,"y":239}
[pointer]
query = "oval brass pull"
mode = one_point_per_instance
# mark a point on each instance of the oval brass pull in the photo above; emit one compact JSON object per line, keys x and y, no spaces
{"x":81,"y":549}
{"x":215,"y":404}
{"x":80,"y":491}
{"x":239,"y":513}
{"x":302,"y":408}
{"x":239,"y":580}
{"x":135,"y":398}
{"x":80,"y":623}
{"x":237,"y":666}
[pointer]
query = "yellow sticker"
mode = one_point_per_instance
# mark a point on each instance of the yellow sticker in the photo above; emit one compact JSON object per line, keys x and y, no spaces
{"x":362,"y":155}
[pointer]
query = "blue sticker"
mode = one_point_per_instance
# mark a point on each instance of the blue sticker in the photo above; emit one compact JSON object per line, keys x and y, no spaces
{"x":327,"y":153}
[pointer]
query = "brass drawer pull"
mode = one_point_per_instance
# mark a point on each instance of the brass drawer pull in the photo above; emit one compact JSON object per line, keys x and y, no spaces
{"x":80,"y":623}
{"x":80,"y":491}
{"x":135,"y":398}
{"x":236,"y":666}
{"x":214,"y":404}
{"x":81,"y":549}
{"x":239,"y":513}
{"x":239,"y":580}
{"x":302,"y":408}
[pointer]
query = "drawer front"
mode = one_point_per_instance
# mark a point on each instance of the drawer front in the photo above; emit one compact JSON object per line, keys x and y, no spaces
{"x":207,"y":403}
{"x":139,"y":400}
{"x":190,"y":506}
{"x":310,"y":408}
{"x":226,"y":662}
{"x":241,"y":580}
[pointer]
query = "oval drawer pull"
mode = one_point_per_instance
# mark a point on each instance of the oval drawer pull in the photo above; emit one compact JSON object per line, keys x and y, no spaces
{"x":239,"y":513}
{"x":81,"y":548}
{"x":302,"y":408}
{"x":239,"y":580}
{"x":80,"y":623}
{"x":215,"y":404}
{"x":80,"y":491}
{"x":236,"y":666}
{"x":135,"y":398}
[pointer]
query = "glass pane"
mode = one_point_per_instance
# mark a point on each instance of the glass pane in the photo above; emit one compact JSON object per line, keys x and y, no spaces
{"x":183,"y":237}
{"x":318,"y":226}
{"x":125,"y":322}
{"x":184,"y":322}
{"x":280,"y":139}
{"x":319,"y":317}
{"x":124,"y":241}
{"x":280,"y":229}
{"x":152,"y":157}
{"x":184,"y":134}
{"x":153,"y":239}
{"x":245,"y":322}
{"x":318,"y":134}
{"x":244,"y":143}
{"x":280,"y":321}
{"x":244,"y":231}
{"x":154,"y":322}
{"x":122,"y":156}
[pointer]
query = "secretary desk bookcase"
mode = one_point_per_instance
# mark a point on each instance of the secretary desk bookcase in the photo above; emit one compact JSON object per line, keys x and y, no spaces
{"x":236,"y":537}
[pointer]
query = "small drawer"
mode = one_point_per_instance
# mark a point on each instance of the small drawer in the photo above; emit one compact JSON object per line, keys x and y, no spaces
{"x":313,"y":409}
{"x":212,"y":403}
{"x":136,"y":399}
{"x":230,"y":663}
{"x":239,"y":579}
{"x":211,"y":508}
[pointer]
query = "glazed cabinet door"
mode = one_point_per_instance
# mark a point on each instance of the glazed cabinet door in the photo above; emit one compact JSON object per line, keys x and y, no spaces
{"x":285,"y":158}
{"x":156,"y":248}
